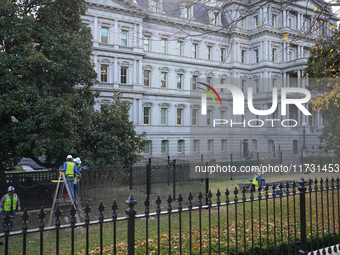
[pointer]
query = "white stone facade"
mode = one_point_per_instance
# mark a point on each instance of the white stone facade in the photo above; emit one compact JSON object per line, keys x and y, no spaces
{"x":153,"y":56}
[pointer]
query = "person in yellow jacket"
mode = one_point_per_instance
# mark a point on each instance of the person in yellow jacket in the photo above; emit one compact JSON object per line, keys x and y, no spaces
{"x":256,"y":179}
{"x":9,"y":203}
{"x":70,"y":170}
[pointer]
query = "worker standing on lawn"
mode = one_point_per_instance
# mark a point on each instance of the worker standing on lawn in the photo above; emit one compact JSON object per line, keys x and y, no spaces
{"x":70,"y":170}
{"x":256,"y":179}
{"x":9,"y":202}
{"x":77,"y":161}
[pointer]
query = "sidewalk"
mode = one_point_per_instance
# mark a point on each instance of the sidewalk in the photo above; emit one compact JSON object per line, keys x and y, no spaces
{"x":326,"y":249}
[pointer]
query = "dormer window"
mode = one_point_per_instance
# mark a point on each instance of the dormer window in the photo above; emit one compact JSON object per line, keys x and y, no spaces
{"x":155,"y":5}
{"x":186,"y":13}
{"x":215,"y":21}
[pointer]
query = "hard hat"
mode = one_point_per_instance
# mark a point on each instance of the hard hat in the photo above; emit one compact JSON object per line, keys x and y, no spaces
{"x":69,"y":157}
{"x":77,"y":160}
{"x":10,"y":188}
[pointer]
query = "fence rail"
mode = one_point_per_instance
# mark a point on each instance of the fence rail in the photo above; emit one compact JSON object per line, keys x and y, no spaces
{"x":286,"y":219}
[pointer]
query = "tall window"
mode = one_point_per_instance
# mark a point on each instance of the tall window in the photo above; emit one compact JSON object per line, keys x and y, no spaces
{"x":210,"y":145}
{"x":103,"y":73}
{"x":146,"y":78}
{"x":155,"y":5}
{"x":222,"y":115}
{"x":273,"y":20}
{"x":123,"y":74}
{"x":124,"y":38}
{"x":163,"y":46}
{"x":295,"y":146}
{"x":180,"y":146}
{"x":243,"y":56}
{"x":146,"y":43}
{"x":147,"y":111}
{"x":257,"y":86}
{"x":179,"y":81}
{"x":194,"y":117}
{"x":164,"y":146}
{"x":194,"y":50}
{"x":195,"y":146}
{"x":209,"y":52}
{"x":273,"y":54}
{"x":147,"y":148}
{"x":256,"y":52}
{"x":243,"y":86}
{"x":209,"y":81}
{"x":243,"y":23}
{"x":179,"y":117}
{"x":255,"y":145}
{"x":209,"y":117}
{"x":163,"y":79}
{"x":256,"y":21}
{"x":223,"y":145}
{"x":194,"y":80}
{"x":104,"y":31}
{"x":222,"y":53}
{"x":164,"y":116}
{"x":179,"y":48}
{"x":222,"y":81}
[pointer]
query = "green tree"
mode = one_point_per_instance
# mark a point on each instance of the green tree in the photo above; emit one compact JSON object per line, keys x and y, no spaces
{"x":324,"y":66}
{"x":46,"y":100}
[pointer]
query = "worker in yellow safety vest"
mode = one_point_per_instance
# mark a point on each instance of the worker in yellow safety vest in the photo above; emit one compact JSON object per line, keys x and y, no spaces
{"x":10,"y":202}
{"x":70,"y":170}
{"x":256,"y":179}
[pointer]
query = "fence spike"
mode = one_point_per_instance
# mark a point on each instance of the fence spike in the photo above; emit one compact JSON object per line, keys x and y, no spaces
{"x":57,"y":213}
{"x":114,"y":208}
{"x":41,"y":215}
{"x":87,"y":209}
{"x":180,"y":199}
{"x":169,"y":200}
{"x":218,"y":194}
{"x":190,"y":197}
{"x":25,"y":217}
{"x":7,"y":220}
{"x":158,"y":203}
{"x":227,"y":193}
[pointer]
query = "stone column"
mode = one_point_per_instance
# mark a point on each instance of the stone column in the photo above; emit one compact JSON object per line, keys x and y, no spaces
{"x":116,"y":40}
{"x":115,"y":70}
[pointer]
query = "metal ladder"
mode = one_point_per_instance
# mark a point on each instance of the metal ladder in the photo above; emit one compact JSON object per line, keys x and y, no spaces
{"x":58,"y":197}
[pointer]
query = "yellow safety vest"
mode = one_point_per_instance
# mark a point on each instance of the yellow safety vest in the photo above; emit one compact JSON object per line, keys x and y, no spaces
{"x":255,"y":182}
{"x":8,"y":203}
{"x":69,"y":169}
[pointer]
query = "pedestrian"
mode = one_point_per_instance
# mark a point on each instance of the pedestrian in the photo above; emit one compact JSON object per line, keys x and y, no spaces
{"x":10,"y":202}
{"x":70,"y":170}
{"x":77,"y":161}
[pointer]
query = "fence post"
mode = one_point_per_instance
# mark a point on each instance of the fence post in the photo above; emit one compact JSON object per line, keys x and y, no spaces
{"x":148,"y":178}
{"x":302,"y":190}
{"x":280,"y":156}
{"x":174,"y":179}
{"x":130,"y":214}
{"x":202,"y":165}
{"x":231,"y":164}
{"x":206,"y":184}
{"x":130,"y":176}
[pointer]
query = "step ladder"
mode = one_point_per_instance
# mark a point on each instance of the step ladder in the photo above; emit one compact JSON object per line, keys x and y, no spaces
{"x":59,"y":199}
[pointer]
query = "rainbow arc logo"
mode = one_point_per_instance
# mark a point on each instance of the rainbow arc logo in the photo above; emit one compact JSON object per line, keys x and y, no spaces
{"x":204,"y":98}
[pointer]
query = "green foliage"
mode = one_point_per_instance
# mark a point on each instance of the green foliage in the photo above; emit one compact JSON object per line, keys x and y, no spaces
{"x":46,"y":101}
{"x":324,"y":62}
{"x":321,"y":160}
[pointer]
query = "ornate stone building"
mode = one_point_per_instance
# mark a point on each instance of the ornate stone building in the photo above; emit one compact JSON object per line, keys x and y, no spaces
{"x":154,"y":51}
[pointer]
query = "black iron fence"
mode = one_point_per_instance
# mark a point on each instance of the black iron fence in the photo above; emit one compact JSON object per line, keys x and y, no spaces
{"x":293,"y":218}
